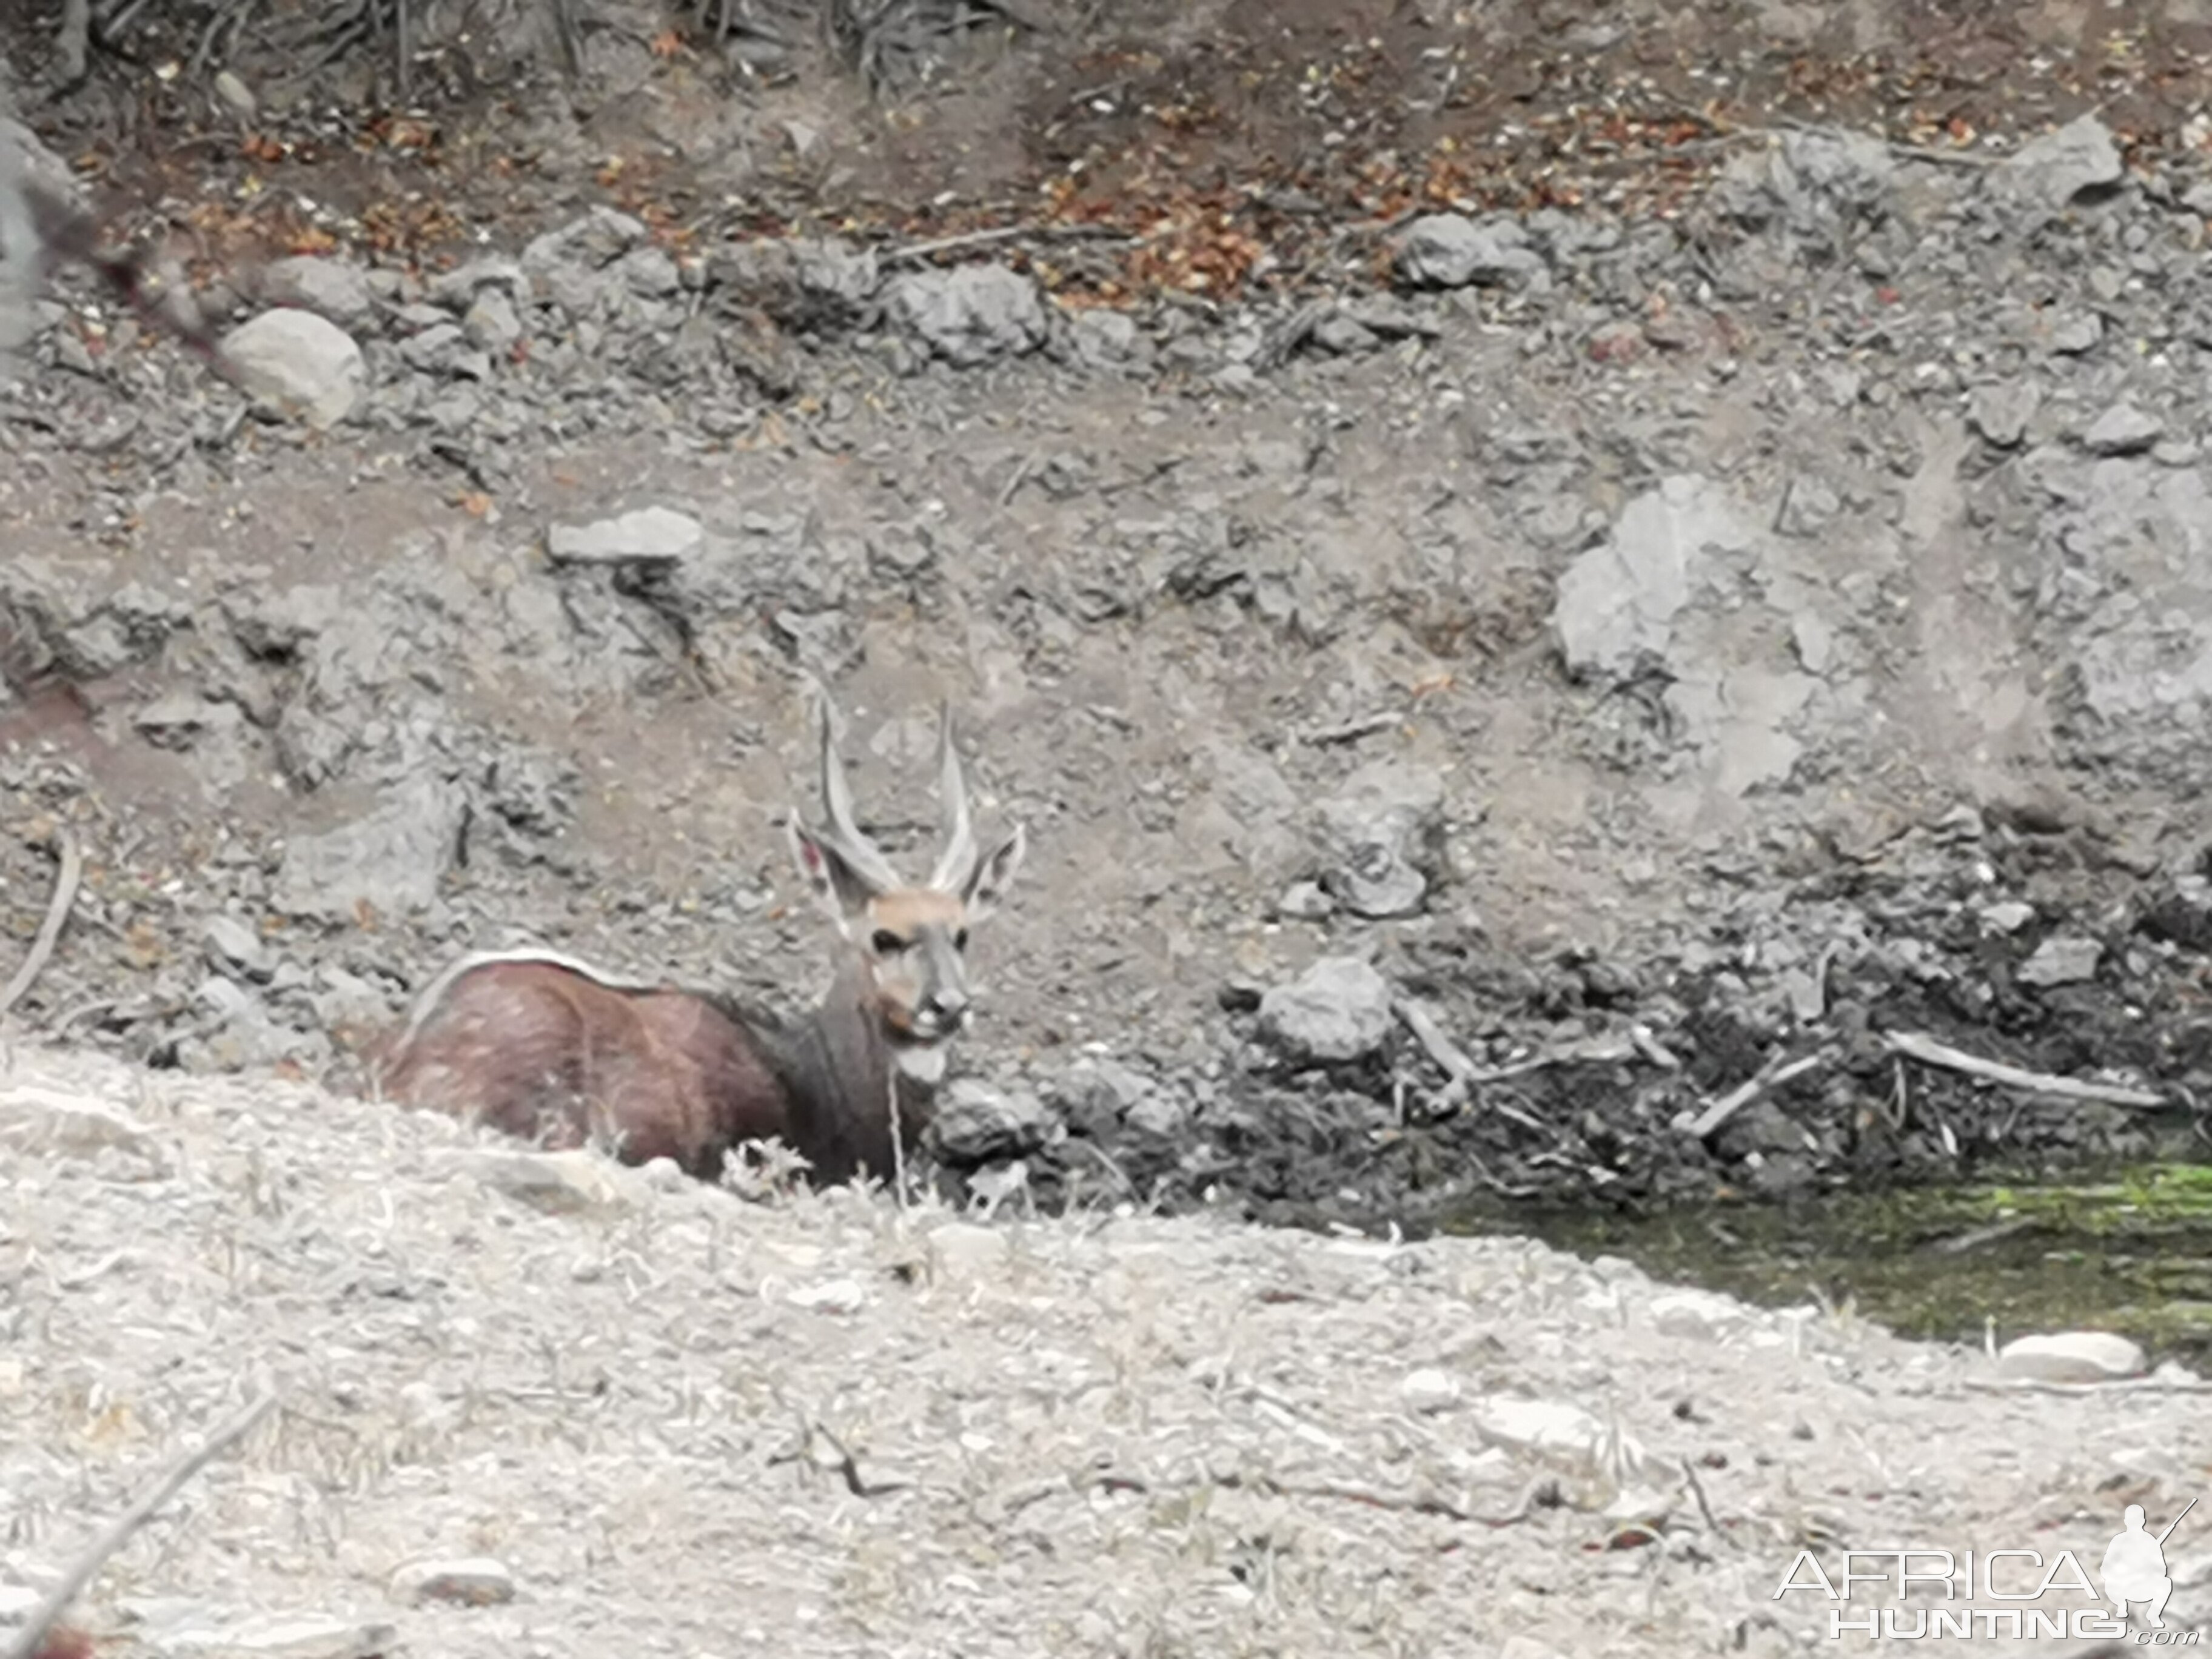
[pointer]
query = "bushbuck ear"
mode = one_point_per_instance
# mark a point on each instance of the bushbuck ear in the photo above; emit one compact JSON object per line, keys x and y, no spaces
{"x":836,"y":883}
{"x":994,"y":874}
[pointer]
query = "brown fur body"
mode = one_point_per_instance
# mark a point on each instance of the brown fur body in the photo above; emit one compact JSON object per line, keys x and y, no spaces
{"x":544,"y":1050}
{"x":552,"y":1049}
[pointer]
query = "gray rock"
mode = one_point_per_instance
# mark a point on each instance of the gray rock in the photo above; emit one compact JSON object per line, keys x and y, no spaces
{"x":330,"y":289}
{"x":1810,"y":183}
{"x":2001,"y":411}
{"x":1094,"y":1096}
{"x":969,"y":315}
{"x":443,"y":349}
{"x":1108,"y":339}
{"x":1380,"y":827}
{"x":650,"y":273}
{"x":474,"y":1582}
{"x":1305,"y":901}
{"x":1448,"y":250}
{"x":975,"y":1122}
{"x":390,"y":860}
{"x":1616,"y":605}
{"x":837,"y":271}
{"x":276,"y":625}
{"x":233,"y":944}
{"x":2061,"y":959}
{"x":651,"y":536}
{"x":2072,"y":336}
{"x":491,"y":322}
{"x":181,"y":718}
{"x":594,"y":241}
{"x":1338,"y":1009}
{"x":294,"y":361}
{"x":2122,"y":429}
{"x":458,"y":288}
{"x":2055,"y":170}
{"x":1808,"y":506}
{"x":1161,"y":1114}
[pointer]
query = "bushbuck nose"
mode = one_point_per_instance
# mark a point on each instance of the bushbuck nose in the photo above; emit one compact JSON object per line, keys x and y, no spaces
{"x":950,"y":1008}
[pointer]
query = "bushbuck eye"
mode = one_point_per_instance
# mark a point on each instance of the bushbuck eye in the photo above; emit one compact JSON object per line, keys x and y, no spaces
{"x":960,"y":939}
{"x":886,"y":943}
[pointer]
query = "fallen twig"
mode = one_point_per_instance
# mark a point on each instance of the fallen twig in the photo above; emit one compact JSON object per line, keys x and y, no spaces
{"x":28,"y":1639}
{"x":50,"y":930}
{"x":1705,"y":1508}
{"x":1541,"y":1493}
{"x":1007,"y":233}
{"x":1915,"y":1045}
{"x":1772,"y":1075}
{"x":815,"y":1437}
{"x":1463,"y":1073}
{"x":1353,"y":730}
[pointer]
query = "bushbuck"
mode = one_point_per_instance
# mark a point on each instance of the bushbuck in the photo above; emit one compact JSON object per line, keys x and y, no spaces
{"x":550,"y":1049}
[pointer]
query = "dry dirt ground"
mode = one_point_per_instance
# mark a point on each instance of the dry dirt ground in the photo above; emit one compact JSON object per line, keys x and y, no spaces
{"x":1956,"y":677}
{"x":1092,"y":1435}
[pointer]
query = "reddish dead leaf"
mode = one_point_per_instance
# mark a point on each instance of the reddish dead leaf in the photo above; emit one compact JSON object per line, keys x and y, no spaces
{"x":364,"y":916}
{"x":475,"y":503}
{"x":667,"y":44}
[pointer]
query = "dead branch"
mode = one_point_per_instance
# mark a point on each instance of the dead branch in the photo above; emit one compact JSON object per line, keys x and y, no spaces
{"x":1771,"y":1076}
{"x":27,"y":1641}
{"x":818,"y":1445}
{"x":1464,"y":1074}
{"x":50,"y":930}
{"x":1005,"y":233}
{"x":1915,"y":1045}
{"x":1705,"y":1507}
{"x":1541,"y":1493}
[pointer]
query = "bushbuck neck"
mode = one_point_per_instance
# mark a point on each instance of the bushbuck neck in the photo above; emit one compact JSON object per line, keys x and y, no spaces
{"x":548,"y":1047}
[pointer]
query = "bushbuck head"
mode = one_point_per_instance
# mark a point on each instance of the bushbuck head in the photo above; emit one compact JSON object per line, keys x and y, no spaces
{"x":913,"y":940}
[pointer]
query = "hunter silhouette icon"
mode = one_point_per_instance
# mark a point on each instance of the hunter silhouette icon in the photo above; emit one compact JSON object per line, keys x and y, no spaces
{"x":2135,"y":1565}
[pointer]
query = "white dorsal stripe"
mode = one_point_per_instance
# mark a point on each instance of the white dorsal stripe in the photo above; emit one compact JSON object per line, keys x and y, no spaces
{"x":435,"y":993}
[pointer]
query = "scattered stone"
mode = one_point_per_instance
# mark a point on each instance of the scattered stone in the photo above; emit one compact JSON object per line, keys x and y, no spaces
{"x":1093,"y":1095}
{"x":1808,"y":507}
{"x":1160,"y":1115}
{"x":233,"y":944}
{"x":1305,"y":901}
{"x":333,"y":290}
{"x":1380,"y":828}
{"x":969,"y":315}
{"x":2059,"y":168}
{"x":570,"y":1181}
{"x":2074,"y":335}
{"x":2061,"y":959}
{"x":2071,"y":1357}
{"x":1338,"y":1009}
{"x":2122,"y":429}
{"x":975,"y":1122}
{"x":1616,"y":605}
{"x":650,"y":536}
{"x":1428,"y":1390}
{"x":391,"y":860}
{"x":475,"y":1582}
{"x":961,"y":1250}
{"x":2001,"y":411}
{"x":180,"y":719}
{"x":280,"y":1635}
{"x":1696,"y":1315}
{"x":297,"y":362}
{"x":1448,"y":250}
{"x":2007,"y":915}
